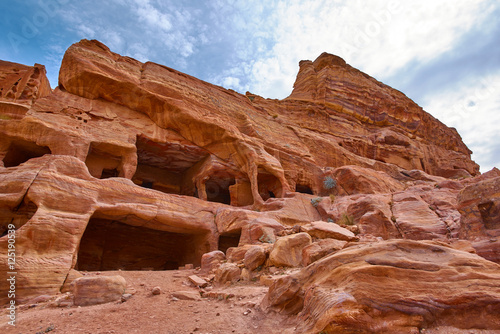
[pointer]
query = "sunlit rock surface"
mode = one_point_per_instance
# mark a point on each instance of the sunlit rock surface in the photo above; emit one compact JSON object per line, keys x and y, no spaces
{"x":135,"y":166}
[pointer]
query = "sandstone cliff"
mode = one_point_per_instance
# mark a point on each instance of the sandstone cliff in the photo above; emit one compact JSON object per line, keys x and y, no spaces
{"x":136,"y":166}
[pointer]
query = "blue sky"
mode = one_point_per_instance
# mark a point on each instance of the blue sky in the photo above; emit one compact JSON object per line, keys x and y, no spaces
{"x":444,"y":54}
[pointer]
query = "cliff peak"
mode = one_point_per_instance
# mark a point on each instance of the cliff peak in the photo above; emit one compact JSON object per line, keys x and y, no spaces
{"x":135,"y":166}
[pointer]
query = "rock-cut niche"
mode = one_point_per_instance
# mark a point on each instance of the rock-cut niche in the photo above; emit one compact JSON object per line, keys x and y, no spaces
{"x":114,"y":244}
{"x":217,"y":188}
{"x":227,"y":240}
{"x":165,"y":166}
{"x":269,"y":185}
{"x":20,"y":151}
{"x":102,"y":162}
{"x":304,"y":189}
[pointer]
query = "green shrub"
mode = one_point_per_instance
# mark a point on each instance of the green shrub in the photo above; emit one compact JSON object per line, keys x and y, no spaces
{"x":329,"y":183}
{"x":315,"y":201}
{"x":346,"y":219}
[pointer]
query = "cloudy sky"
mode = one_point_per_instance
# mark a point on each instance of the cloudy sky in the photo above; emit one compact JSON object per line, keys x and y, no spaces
{"x":444,"y":54}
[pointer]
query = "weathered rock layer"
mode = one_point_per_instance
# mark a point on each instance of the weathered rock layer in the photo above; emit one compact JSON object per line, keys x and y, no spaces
{"x":397,"y":286}
{"x":135,"y":166}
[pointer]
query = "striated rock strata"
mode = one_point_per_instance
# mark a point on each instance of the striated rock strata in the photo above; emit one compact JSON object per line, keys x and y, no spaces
{"x":135,"y":166}
{"x":397,"y":286}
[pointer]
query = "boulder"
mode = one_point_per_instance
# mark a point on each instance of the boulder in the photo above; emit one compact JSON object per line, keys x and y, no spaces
{"x":319,"y":249}
{"x":227,"y":273}
{"x":186,"y":295}
{"x":324,"y":230}
{"x":261,"y":230}
{"x":254,"y":257}
{"x":211,"y":261}
{"x":197,"y":281}
{"x":237,"y":254}
{"x":98,"y":290}
{"x":287,"y":250}
{"x":396,"y":286}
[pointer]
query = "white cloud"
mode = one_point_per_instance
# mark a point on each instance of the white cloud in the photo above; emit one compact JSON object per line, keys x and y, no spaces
{"x":473,"y":111}
{"x":152,"y":16}
{"x":380,"y":37}
{"x":256,"y":45}
{"x":232,"y":82}
{"x":139,"y":51}
{"x":85,"y":31}
{"x":113,"y":39}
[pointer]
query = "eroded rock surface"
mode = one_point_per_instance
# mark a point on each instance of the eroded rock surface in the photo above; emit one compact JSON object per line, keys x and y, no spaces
{"x":398,"y":286}
{"x":135,"y":166}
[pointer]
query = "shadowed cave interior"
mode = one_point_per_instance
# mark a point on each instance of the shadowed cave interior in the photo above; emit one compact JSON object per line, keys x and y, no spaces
{"x":112,"y":245}
{"x":165,"y":166}
{"x":20,"y":151}
{"x":101,"y":162}
{"x":304,"y":189}
{"x":228,"y":240}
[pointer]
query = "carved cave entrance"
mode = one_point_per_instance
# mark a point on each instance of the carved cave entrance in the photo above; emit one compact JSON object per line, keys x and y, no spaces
{"x":217,"y":188}
{"x":304,"y":189}
{"x":112,"y":245}
{"x":102,"y":162}
{"x":167,"y":166}
{"x":20,"y":151}
{"x":227,"y":240}
{"x":269,"y":186}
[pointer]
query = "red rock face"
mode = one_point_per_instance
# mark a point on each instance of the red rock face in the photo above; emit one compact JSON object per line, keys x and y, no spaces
{"x":479,"y":205}
{"x":20,"y":83}
{"x":403,"y":133}
{"x":390,"y":287}
{"x":136,"y":166}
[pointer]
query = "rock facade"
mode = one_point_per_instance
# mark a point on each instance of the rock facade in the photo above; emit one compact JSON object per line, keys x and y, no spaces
{"x":135,"y":166}
{"x":397,"y":286}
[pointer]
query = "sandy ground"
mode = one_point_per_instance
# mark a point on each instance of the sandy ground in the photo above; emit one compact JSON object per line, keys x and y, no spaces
{"x":147,"y":313}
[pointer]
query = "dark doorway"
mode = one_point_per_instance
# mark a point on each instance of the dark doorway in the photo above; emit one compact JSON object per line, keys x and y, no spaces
{"x":107,"y":173}
{"x":269,"y":186}
{"x":101,"y":162}
{"x":228,"y":240}
{"x":218,"y":190}
{"x":113,"y":245}
{"x":300,"y":188}
{"x":18,"y":217}
{"x":21,"y":151}
{"x":163,"y":166}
